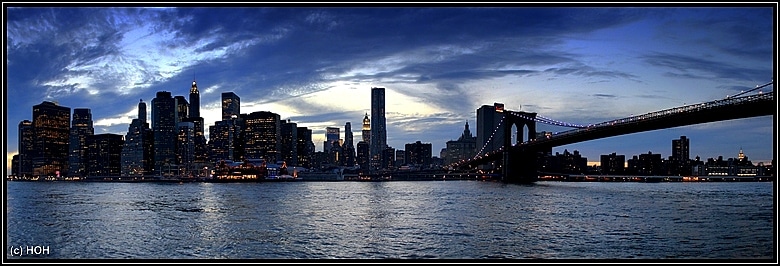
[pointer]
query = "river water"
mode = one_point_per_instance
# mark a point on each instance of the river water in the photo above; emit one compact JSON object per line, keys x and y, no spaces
{"x":391,"y":220}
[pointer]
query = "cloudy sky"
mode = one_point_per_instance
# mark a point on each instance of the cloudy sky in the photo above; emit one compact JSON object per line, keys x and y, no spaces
{"x":316,"y":66}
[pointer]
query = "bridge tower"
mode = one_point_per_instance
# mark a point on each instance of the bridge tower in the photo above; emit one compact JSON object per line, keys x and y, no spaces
{"x":519,"y":166}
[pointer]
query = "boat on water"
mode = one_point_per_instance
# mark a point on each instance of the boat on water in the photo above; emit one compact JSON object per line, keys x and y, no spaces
{"x":333,"y":174}
{"x":251,"y":170}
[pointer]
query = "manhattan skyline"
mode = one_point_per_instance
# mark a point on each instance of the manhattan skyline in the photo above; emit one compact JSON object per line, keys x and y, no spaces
{"x":316,"y":67}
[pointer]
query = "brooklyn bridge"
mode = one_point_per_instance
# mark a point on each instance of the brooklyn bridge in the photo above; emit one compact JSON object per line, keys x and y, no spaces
{"x":519,"y":161}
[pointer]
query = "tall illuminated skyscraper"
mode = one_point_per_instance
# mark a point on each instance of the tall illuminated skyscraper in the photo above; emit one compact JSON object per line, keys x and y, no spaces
{"x":378,"y":127}
{"x":305,"y":147}
{"x":366,"y":129}
{"x":262,"y":136}
{"x":51,"y":123}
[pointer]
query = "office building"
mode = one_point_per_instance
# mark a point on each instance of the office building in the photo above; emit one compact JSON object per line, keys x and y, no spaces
{"x":80,"y":128}
{"x":231,"y":105}
{"x":262,"y":136}
{"x":289,"y":147}
{"x":378,"y":141}
{"x":104,"y":157}
{"x":26,"y":150}
{"x":51,"y":124}
{"x":164,"y":122}
{"x":137,"y":158}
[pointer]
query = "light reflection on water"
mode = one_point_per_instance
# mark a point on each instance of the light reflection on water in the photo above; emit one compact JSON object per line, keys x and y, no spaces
{"x":406,"y":220}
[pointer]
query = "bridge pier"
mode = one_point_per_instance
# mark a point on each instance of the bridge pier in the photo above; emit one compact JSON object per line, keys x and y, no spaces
{"x":520,"y":167}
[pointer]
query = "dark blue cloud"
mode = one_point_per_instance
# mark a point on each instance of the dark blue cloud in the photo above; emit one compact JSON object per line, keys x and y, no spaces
{"x":697,"y":67}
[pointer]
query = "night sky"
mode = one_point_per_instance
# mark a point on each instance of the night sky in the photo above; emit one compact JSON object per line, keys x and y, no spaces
{"x":315,"y":66}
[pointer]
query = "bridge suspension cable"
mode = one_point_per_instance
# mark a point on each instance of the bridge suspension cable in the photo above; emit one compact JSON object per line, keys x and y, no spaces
{"x":490,"y":140}
{"x":549,"y":121}
{"x":757,"y":87}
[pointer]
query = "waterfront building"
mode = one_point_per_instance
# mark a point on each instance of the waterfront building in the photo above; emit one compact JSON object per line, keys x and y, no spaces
{"x":289,"y":147}
{"x":137,"y":158}
{"x":226,"y":141}
{"x":305,"y":147}
{"x":566,"y":163}
{"x":15,"y":165}
{"x":387,"y":158}
{"x":80,"y":128}
{"x":51,"y":126}
{"x":378,"y":142}
{"x":462,"y":149}
{"x":419,"y":154}
{"x":679,"y":162}
{"x":739,"y":166}
{"x":646,"y":164}
{"x":262,"y":136}
{"x":26,"y":148}
{"x":231,"y":105}
{"x":200,"y":152}
{"x":164,"y":122}
{"x":362,"y":157}
{"x":185,"y":149}
{"x":348,"y":149}
{"x":400,"y":158}
{"x":104,"y":157}
{"x":613,"y":164}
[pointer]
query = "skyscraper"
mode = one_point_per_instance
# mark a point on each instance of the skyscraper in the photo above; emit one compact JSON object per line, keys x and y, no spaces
{"x":289,"y":138}
{"x":137,"y":158}
{"x":231,"y":105}
{"x":331,"y":146}
{"x":366,"y":129}
{"x":418,"y":153}
{"x":51,"y":124}
{"x":200,"y":152}
{"x":225,"y":140}
{"x":378,"y":127}
{"x":305,"y":147}
{"x":142,"y":112}
{"x":164,"y":128}
{"x":104,"y":156}
{"x":185,"y":148}
{"x":26,"y":143}
{"x":349,"y":146}
{"x":194,"y":101}
{"x":182,"y":108}
{"x":80,"y":128}
{"x":681,"y":149}
{"x":262,"y":136}
{"x":680,"y":160}
{"x":332,"y":135}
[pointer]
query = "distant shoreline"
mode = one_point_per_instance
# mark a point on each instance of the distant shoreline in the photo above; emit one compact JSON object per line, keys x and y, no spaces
{"x":572,"y":178}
